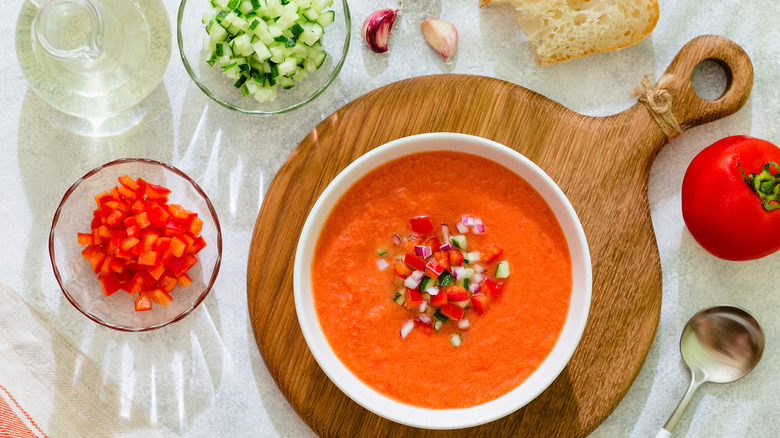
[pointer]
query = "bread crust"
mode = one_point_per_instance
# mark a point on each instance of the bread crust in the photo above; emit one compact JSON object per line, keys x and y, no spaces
{"x":561,"y":30}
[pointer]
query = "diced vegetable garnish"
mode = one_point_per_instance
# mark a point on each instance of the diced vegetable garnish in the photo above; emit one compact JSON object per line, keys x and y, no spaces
{"x":140,"y":243}
{"x":445,"y":281}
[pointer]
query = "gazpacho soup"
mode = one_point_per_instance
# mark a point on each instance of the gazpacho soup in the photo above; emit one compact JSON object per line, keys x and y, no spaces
{"x":441,"y":279}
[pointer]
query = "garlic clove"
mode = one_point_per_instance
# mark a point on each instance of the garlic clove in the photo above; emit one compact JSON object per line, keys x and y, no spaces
{"x":441,"y":35}
{"x":376,"y":29}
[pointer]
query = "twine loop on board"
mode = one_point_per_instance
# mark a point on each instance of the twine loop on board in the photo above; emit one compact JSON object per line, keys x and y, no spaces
{"x":659,"y":102}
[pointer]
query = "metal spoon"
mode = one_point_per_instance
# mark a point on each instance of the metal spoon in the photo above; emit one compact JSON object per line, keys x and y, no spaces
{"x":719,"y":344}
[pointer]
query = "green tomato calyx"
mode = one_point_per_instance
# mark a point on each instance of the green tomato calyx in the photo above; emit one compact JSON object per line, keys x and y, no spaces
{"x":765,"y":184}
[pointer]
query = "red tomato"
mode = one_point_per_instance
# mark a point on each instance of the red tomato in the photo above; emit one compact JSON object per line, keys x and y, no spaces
{"x":722,"y":212}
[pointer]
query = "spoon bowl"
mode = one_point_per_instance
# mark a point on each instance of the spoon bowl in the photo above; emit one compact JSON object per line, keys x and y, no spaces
{"x":720,"y":344}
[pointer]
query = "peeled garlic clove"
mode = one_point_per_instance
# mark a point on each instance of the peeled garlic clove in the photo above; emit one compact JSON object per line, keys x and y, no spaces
{"x":376,"y":29}
{"x":441,"y":35}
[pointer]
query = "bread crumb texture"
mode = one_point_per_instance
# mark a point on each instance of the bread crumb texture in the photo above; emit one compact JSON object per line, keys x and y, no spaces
{"x":560,"y":30}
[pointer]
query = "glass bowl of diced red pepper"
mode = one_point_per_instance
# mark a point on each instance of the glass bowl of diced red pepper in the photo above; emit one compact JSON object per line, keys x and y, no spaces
{"x":135,"y":244}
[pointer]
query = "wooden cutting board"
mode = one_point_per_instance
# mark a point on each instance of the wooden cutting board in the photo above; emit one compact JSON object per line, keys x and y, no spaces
{"x":601,"y":163}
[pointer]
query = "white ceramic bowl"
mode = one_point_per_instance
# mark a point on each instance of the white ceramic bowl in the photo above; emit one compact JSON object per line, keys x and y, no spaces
{"x":539,"y":380}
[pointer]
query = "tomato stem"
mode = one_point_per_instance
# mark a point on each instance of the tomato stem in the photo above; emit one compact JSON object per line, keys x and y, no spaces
{"x":765,"y":185}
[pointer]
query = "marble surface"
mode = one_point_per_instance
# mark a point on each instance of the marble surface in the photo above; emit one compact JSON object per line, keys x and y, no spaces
{"x":204,"y":376}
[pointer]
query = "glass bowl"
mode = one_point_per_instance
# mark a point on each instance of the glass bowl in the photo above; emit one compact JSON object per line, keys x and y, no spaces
{"x":427,"y":418}
{"x":191,"y":34}
{"x":74,"y":274}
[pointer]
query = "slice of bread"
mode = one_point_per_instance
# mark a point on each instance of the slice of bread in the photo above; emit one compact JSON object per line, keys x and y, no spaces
{"x":560,"y":30}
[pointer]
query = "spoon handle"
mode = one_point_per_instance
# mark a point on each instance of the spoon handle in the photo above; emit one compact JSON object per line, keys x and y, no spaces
{"x":697,"y":379}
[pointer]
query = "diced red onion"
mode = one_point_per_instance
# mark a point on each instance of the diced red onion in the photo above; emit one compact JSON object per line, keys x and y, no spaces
{"x":472,"y":257}
{"x":432,"y":291}
{"x":424,"y":318}
{"x":423,"y":306}
{"x":478,"y":229}
{"x":445,"y":232}
{"x":382,"y":264}
{"x":467,"y":220}
{"x":396,"y":239}
{"x":474,"y":288}
{"x":406,"y":328}
{"x":423,"y":251}
{"x":478,"y":277}
{"x":445,"y":247}
{"x":462,"y":229}
{"x":478,"y":268}
{"x":417,"y":275}
{"x":459,"y":272}
{"x":462,"y":324}
{"x":476,"y":221}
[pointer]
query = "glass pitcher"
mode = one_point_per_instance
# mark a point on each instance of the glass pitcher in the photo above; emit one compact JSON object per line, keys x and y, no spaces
{"x":93,"y":58}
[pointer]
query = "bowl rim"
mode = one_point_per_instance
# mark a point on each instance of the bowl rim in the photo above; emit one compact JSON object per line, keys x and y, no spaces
{"x":494,"y":409}
{"x":333,"y":75}
{"x":212,"y":211}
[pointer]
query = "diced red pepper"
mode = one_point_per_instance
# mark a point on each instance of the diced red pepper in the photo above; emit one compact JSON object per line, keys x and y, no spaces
{"x":157,"y":214}
{"x":433,"y":269}
{"x":142,"y":302}
{"x":167,"y":282}
{"x":439,"y":299}
{"x":456,"y":257}
{"x":479,"y":303}
{"x":140,"y":243}
{"x":434,"y":243}
{"x":198,"y":244}
{"x":425,"y":327}
{"x":421,"y":224}
{"x":401,"y":269}
{"x":178,"y":212}
{"x":456,"y":294}
{"x":452,"y":311}
{"x":127,"y":194}
{"x":413,"y":298}
{"x":443,"y":258}
{"x":153,"y":191}
{"x":160,"y":297}
{"x":174,"y":227}
{"x":414,"y":239}
{"x":178,"y":266}
{"x":148,"y":258}
{"x":184,"y":280}
{"x":128,"y":182}
{"x":85,"y":239}
{"x":156,"y":271}
{"x":109,"y":284}
{"x":196,"y":226}
{"x":490,"y":253}
{"x":417,"y":263}
{"x":177,"y":246}
{"x":493,"y":287}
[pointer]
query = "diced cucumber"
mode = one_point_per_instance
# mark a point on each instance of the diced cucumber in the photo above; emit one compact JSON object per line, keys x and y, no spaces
{"x":262,"y":45}
{"x":399,"y":298}
{"x":456,"y":340}
{"x":459,"y":242}
{"x":502,"y":269}
{"x":326,"y":18}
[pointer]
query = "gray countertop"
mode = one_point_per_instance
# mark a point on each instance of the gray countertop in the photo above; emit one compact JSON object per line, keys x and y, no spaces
{"x":204,"y":376}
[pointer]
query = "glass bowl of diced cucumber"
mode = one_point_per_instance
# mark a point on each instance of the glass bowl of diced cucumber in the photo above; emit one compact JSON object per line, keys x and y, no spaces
{"x":263,"y":57}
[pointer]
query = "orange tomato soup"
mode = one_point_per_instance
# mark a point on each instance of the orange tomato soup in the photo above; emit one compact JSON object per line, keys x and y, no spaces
{"x":354,"y":298}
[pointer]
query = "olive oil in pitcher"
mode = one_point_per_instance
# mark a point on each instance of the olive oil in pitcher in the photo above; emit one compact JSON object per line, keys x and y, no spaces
{"x":93,"y":58}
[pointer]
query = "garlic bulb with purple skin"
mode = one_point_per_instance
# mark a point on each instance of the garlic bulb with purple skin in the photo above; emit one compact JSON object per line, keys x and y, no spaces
{"x":376,"y":29}
{"x":441,"y":35}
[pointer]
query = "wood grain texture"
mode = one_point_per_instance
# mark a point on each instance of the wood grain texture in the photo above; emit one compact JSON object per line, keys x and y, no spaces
{"x":601,"y":163}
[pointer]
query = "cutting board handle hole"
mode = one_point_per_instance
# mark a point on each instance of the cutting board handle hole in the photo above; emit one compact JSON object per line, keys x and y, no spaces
{"x":711,"y":79}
